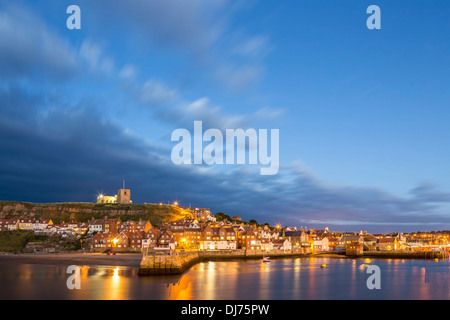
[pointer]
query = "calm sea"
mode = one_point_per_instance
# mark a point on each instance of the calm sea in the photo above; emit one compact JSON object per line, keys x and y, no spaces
{"x":290,"y":279}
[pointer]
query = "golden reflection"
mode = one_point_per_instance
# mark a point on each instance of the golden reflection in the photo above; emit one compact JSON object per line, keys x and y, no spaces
{"x":116,"y":276}
{"x":26,"y":272}
{"x":297,"y":283}
{"x":84,"y":271}
{"x":116,"y":287}
{"x":363,"y":266}
{"x":114,"y":290}
{"x":264,"y":283}
{"x":265,"y":267}
{"x":181,"y":290}
{"x":367,"y":260}
{"x":312,"y":288}
{"x":210,"y":290}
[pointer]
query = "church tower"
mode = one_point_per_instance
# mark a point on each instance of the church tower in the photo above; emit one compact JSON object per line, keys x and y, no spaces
{"x":124,"y":195}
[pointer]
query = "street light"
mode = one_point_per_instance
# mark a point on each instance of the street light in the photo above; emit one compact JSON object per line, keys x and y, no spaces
{"x":184,"y":243}
{"x":115,"y":240}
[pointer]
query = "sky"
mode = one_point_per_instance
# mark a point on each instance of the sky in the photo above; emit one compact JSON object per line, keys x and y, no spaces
{"x":362,"y":114}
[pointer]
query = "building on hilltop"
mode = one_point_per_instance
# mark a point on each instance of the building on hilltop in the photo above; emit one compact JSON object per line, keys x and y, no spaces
{"x":101,"y":198}
{"x":123,"y":196}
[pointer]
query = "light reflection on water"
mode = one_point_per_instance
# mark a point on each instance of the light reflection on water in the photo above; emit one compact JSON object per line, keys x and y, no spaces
{"x":289,"y":279}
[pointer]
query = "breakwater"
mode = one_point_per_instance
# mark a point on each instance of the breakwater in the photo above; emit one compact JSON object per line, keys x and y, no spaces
{"x":163,"y":264}
{"x":407,"y":254}
{"x":388,"y":254}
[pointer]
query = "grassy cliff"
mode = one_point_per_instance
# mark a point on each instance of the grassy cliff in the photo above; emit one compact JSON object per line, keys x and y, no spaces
{"x":83,"y":212}
{"x":14,"y":241}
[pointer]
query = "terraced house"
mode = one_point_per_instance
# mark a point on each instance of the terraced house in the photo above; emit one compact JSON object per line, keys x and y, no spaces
{"x":103,"y":241}
{"x":130,"y":240}
{"x":219,"y":238}
{"x":166,"y":241}
{"x":203,"y":214}
{"x":104,"y":225}
{"x":188,"y":238}
{"x":249,"y":240}
{"x":34,"y":224}
{"x":9,"y":224}
{"x":151,"y":237}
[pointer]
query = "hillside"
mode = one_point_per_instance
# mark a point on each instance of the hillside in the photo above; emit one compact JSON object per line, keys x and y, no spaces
{"x":83,"y":212}
{"x":14,"y":241}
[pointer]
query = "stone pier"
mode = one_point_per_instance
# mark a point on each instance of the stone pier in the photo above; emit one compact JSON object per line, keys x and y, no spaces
{"x":406,"y":255}
{"x":165,"y":264}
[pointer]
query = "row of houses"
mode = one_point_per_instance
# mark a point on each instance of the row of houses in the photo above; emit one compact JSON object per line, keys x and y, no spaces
{"x":117,"y":225}
{"x":189,"y":234}
{"x":203,"y":233}
{"x":77,"y":229}
{"x":326,"y":241}
{"x":24,"y":224}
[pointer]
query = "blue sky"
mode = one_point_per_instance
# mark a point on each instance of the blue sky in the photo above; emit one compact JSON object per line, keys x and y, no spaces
{"x":363,"y":114}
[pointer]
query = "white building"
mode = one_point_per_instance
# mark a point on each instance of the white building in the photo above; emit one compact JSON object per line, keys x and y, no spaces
{"x":320,"y":244}
{"x":284,"y":245}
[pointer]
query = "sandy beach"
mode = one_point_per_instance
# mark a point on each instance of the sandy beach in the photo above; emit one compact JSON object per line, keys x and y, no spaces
{"x":65,"y":259}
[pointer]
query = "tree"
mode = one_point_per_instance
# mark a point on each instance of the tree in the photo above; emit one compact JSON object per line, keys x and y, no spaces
{"x":222,"y":216}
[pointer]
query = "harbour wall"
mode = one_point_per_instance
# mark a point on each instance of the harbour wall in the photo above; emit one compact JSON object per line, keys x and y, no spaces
{"x":407,"y":254}
{"x":163,"y":264}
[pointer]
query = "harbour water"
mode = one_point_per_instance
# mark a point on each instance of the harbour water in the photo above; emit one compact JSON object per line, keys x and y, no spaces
{"x":284,"y":279}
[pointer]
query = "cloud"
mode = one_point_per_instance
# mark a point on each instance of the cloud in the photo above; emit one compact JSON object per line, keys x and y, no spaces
{"x":192,"y":25}
{"x":184,"y":113}
{"x":30,"y":49}
{"x":58,"y":59}
{"x":128,"y":72}
{"x":93,"y":55}
{"x":253,"y":47}
{"x":198,"y":29}
{"x":429,"y":192}
{"x":28,"y":46}
{"x":154,"y":92}
{"x":239,"y":77}
{"x":170,"y":106}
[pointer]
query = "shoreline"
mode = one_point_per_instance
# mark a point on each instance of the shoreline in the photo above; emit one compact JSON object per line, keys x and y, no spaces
{"x":82,"y":259}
